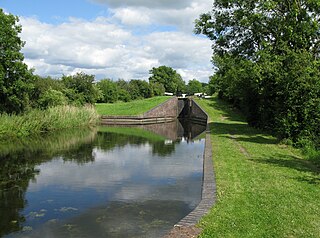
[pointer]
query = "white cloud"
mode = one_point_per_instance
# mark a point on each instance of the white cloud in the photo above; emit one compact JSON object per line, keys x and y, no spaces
{"x":143,"y":14}
{"x":145,"y":3}
{"x":111,"y":47}
{"x":110,"y":173}
{"x":130,"y":17}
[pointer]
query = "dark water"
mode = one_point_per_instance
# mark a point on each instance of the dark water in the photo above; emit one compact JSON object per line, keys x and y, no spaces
{"x":107,"y":182}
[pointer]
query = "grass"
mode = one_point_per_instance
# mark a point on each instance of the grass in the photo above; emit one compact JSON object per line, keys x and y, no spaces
{"x":264,"y":189}
{"x":132,"y":108}
{"x":36,"y":121}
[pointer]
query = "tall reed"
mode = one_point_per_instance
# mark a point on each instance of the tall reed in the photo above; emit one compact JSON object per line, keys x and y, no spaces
{"x":37,"y":121}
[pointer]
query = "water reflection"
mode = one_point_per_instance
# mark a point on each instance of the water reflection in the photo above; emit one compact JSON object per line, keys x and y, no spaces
{"x":18,"y":161}
{"x":75,"y":182}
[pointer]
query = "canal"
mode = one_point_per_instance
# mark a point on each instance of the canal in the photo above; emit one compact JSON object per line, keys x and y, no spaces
{"x":103,"y":182}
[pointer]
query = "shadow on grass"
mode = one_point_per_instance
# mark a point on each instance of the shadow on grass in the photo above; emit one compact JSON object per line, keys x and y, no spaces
{"x":235,"y":128}
{"x":227,"y":110}
{"x":241,"y":132}
{"x":295,"y":163}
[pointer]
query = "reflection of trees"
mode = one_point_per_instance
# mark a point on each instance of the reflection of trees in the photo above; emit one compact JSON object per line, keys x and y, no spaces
{"x":162,"y":149}
{"x":15,"y":173}
{"x":18,"y":163}
{"x":81,"y":154}
{"x":109,"y":140}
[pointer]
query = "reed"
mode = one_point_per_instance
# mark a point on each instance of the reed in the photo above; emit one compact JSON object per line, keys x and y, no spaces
{"x":37,"y":121}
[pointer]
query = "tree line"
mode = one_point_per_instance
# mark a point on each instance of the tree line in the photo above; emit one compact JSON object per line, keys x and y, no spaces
{"x":266,"y":54}
{"x":21,"y":90}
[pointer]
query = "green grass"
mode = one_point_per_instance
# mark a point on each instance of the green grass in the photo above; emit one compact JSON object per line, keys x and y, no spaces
{"x":132,"y":131}
{"x":264,"y":189}
{"x":36,"y":121}
{"x":132,"y":108}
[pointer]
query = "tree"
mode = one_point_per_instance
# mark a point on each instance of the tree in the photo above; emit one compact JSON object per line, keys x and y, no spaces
{"x":109,"y":90}
{"x":240,"y":27}
{"x":15,"y":78}
{"x":194,"y":86}
{"x":41,"y":86}
{"x":157,"y":89}
{"x":168,"y":77}
{"x":81,"y":88}
{"x":123,"y":87}
{"x":267,"y":55}
{"x":139,"y":89}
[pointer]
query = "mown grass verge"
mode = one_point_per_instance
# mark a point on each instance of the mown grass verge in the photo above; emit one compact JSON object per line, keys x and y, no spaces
{"x":264,"y":189}
{"x":37,"y":121}
{"x":132,"y":108}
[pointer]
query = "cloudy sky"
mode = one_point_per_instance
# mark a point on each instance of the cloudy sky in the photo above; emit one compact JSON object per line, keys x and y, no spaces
{"x":113,"y":38}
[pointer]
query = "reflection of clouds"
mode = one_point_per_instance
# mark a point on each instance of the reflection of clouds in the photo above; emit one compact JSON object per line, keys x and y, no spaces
{"x":130,"y":173}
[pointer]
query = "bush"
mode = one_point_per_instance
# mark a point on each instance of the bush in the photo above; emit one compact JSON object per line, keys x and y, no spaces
{"x":52,"y":98}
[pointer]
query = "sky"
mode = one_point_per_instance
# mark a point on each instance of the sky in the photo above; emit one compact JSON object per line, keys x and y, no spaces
{"x":113,"y":38}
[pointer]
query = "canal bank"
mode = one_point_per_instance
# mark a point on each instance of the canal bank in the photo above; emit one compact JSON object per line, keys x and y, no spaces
{"x":186,"y":227}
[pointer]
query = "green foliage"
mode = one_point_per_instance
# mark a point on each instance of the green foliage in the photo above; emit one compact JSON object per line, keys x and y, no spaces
{"x":157,"y":89}
{"x":124,"y":95}
{"x":52,"y":98}
{"x":139,"y":89}
{"x":81,"y":88}
{"x":211,"y":87}
{"x":15,"y":79}
{"x":267,"y":59}
{"x":41,"y":86}
{"x":109,"y":91}
{"x":194,"y":86}
{"x":169,"y":78}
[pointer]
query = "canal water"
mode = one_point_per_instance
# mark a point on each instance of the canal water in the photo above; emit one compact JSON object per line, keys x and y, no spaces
{"x":106,"y":182}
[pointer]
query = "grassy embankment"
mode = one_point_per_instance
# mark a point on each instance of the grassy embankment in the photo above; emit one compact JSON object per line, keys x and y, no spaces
{"x":264,"y":188}
{"x":132,"y":108}
{"x":36,"y":121}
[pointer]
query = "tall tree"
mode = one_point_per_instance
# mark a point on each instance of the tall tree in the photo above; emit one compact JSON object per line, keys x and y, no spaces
{"x":242,"y":27}
{"x":15,"y":79}
{"x":168,"y":77}
{"x":267,"y":55}
{"x":194,"y":86}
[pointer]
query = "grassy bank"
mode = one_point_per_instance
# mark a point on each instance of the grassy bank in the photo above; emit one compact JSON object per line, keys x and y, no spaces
{"x":264,"y":189}
{"x":132,"y":108}
{"x":36,"y":121}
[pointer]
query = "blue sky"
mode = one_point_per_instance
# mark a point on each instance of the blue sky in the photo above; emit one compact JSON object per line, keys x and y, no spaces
{"x":112,"y":38}
{"x":55,"y":11}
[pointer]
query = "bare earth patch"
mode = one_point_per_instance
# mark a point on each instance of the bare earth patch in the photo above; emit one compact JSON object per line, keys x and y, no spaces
{"x":184,"y":232}
{"x":241,"y":148}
